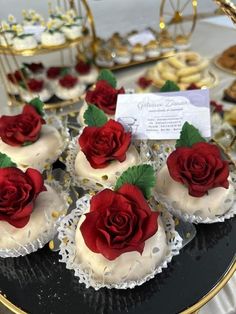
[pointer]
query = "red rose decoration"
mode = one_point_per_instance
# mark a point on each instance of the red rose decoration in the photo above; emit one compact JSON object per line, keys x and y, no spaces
{"x":35,"y":86}
{"x":68,"y":81}
{"x":35,"y":67}
{"x":143,"y":82}
{"x":216,"y":106}
{"x":83,"y":68}
{"x":53,"y":72}
{"x":18,"y":191}
{"x":118,"y":222}
{"x":16,"y":76}
{"x":20,"y":129}
{"x":104,"y":96}
{"x":199,"y":167}
{"x":104,"y":144}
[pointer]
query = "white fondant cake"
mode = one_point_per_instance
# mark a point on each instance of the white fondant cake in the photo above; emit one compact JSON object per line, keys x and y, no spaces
{"x":111,"y":172}
{"x":80,"y":117}
{"x":41,"y":220}
{"x":52,"y":39}
{"x":72,"y":31}
{"x":216,"y":202}
{"x":126,"y":267}
{"x":89,"y":78}
{"x":37,"y":155}
{"x":69,"y":93}
{"x":26,"y":42}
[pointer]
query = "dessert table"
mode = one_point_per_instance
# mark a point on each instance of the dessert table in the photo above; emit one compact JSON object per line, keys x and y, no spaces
{"x":38,"y":283}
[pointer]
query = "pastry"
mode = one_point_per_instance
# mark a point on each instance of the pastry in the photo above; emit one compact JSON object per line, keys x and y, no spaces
{"x":27,"y":219}
{"x":52,"y":75}
{"x":230,"y":93}
{"x":72,"y":31}
{"x":36,"y":88}
{"x":28,"y":141}
{"x":104,"y":58}
{"x":52,"y":37}
{"x":13,"y":81}
{"x":166,"y":44}
{"x":104,"y":96}
{"x":122,"y":55}
{"x":228,"y":58}
{"x":138,"y":52}
{"x":152,"y":49}
{"x":87,"y":73}
{"x":35,"y":69}
{"x":68,"y":87}
{"x":6,"y":38}
{"x":182,"y":42}
{"x":24,"y":42}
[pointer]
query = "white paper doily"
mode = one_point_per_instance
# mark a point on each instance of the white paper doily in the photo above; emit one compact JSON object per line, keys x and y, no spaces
{"x":45,"y":237}
{"x":170,"y":206}
{"x":67,"y":231}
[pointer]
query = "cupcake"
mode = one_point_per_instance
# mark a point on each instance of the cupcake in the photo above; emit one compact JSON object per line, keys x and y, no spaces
{"x":72,"y":31}
{"x":152,"y":49}
{"x":123,"y":55}
{"x":138,"y":52}
{"x":195,"y":183}
{"x":24,"y":42}
{"x":52,"y":38}
{"x":36,"y":88}
{"x":87,"y":73}
{"x":104,"y":58}
{"x":104,"y":96}
{"x":28,"y":140}
{"x":28,"y":207}
{"x":69,"y":87}
{"x":117,"y":238}
{"x":6,"y":37}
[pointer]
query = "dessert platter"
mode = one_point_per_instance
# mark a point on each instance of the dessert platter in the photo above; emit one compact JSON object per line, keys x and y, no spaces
{"x":110,"y":211}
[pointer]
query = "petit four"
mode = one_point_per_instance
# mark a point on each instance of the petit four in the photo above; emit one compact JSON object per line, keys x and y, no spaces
{"x":87,"y":73}
{"x":138,"y":52}
{"x":24,"y":41}
{"x":35,"y":69}
{"x":123,"y":55}
{"x":72,"y":31}
{"x":52,"y":37}
{"x":69,"y":87}
{"x":13,"y":81}
{"x":6,"y":38}
{"x":104,"y":58}
{"x":52,"y":75}
{"x":36,"y":88}
{"x":152,"y":49}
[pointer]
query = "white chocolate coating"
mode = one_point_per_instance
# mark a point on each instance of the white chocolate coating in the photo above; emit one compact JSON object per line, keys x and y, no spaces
{"x":28,"y":42}
{"x":41,"y":220}
{"x":89,"y":78}
{"x":126,"y":267}
{"x":37,"y":155}
{"x":80,"y":117}
{"x":54,"y":39}
{"x":216,"y":202}
{"x":72,"y":32}
{"x":69,"y":93}
{"x":114,"y":169}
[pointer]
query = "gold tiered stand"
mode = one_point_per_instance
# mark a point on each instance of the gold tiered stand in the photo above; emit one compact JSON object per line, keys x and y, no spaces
{"x":9,"y":56}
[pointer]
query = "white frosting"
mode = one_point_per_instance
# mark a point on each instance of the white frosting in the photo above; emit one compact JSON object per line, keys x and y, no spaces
{"x":80,"y":117}
{"x":139,"y":57}
{"x":45,"y":94}
{"x":27,"y":42}
{"x":112,"y":171}
{"x":41,"y":220}
{"x":216,"y":202}
{"x":6,"y":39}
{"x":122,"y":59}
{"x":37,"y":155}
{"x":12,"y":89}
{"x":69,"y":93}
{"x":52,"y":39}
{"x":104,"y":63}
{"x":152,"y":53}
{"x":72,"y":32}
{"x":126,"y":267}
{"x":89,"y":78}
{"x":57,"y":23}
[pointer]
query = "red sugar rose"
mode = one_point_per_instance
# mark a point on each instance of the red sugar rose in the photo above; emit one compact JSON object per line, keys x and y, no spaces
{"x":118,"y":222}
{"x":200,"y":168}
{"x":103,"y":144}
{"x":35,"y":86}
{"x":18,"y":192}
{"x":104,"y":96}
{"x":68,"y":81}
{"x":83,"y":67}
{"x":35,"y":67}
{"x":22,"y":128}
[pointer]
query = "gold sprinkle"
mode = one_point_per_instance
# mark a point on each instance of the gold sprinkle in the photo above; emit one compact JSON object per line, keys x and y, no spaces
{"x":51,"y":245}
{"x":55,"y":214}
{"x":105,"y":177}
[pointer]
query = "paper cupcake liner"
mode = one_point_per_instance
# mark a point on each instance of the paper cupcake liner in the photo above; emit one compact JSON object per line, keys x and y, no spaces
{"x":67,"y":232}
{"x":81,"y":181}
{"x":45,"y":237}
{"x":190,"y":217}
